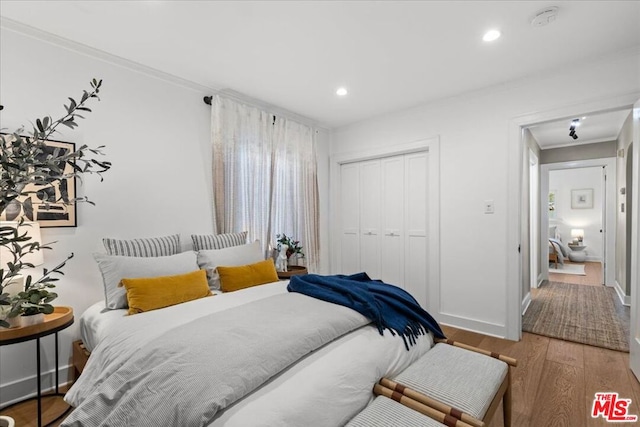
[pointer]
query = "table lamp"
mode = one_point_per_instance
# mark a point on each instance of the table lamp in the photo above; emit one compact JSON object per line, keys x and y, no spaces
{"x":578,"y":235}
{"x":32,"y":230}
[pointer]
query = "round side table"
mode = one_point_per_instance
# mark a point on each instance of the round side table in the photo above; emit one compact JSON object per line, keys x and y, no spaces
{"x":293,"y":270}
{"x":61,"y":318}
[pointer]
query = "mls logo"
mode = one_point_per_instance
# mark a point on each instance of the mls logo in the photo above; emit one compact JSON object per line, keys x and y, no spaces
{"x":613,"y":409}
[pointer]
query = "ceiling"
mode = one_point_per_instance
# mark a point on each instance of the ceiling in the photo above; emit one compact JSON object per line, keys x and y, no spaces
{"x":390,"y":55}
{"x":593,"y":128}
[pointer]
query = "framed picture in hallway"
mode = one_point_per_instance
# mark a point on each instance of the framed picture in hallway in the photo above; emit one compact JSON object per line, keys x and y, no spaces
{"x":582,"y":198}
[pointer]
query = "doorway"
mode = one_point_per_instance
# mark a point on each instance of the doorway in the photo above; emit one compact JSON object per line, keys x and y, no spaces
{"x":578,"y":231}
{"x":518,"y":127}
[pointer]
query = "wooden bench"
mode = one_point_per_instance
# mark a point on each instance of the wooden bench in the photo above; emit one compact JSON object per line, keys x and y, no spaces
{"x":452,"y":384}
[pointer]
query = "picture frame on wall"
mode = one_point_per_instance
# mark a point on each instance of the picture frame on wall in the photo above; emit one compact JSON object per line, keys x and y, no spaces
{"x":582,"y":198}
{"x":51,"y":204}
{"x":552,"y":203}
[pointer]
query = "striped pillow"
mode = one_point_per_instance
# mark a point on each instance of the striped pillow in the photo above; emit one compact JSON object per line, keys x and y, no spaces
{"x":218,"y":241}
{"x":146,"y":247}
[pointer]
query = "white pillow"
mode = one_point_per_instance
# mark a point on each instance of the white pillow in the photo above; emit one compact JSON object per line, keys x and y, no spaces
{"x":218,"y":241}
{"x":233,"y":256}
{"x":143,"y":247}
{"x":115,"y":268}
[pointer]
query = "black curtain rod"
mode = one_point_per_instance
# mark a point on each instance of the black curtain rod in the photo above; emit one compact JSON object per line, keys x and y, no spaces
{"x":207,"y":100}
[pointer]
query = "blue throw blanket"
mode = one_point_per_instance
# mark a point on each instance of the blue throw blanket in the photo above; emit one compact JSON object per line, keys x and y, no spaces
{"x":387,"y":306}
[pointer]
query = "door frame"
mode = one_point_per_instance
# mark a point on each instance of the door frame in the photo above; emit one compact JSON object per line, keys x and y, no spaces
{"x":608,"y":222}
{"x":515,"y":149}
{"x":535,"y":206}
{"x":634,"y":339}
{"x":430,"y":145}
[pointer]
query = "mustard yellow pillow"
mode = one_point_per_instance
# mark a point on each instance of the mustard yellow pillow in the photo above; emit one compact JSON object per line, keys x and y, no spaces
{"x":245,"y":276}
{"x":150,"y":293}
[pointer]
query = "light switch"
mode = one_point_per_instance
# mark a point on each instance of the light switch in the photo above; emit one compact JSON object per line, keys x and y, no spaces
{"x":488,"y":206}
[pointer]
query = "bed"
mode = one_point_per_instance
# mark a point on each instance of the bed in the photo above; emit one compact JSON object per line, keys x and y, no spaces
{"x":558,"y":252}
{"x":327,"y":384}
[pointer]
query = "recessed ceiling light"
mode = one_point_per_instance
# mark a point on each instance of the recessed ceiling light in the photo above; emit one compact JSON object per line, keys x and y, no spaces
{"x":341,"y":91}
{"x":491,"y":35}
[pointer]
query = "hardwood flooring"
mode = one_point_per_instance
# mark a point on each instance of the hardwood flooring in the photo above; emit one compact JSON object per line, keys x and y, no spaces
{"x":555,"y":381}
{"x":593,"y":277}
{"x":26,"y":414}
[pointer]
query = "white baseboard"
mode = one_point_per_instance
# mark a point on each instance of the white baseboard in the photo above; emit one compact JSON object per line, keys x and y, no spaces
{"x":624,"y":299}
{"x":526,"y":302}
{"x":485,"y":328}
{"x":24,"y":388}
{"x":539,"y":281}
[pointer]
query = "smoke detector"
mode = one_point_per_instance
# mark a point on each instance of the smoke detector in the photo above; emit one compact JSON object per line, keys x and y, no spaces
{"x":545,"y":16}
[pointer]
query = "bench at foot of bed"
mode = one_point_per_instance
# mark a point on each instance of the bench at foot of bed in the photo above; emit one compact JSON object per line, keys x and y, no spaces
{"x":452,"y":384}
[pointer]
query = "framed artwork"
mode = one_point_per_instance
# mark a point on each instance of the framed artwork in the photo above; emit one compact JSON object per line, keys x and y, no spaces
{"x":582,"y":198}
{"x":53,"y":204}
{"x":552,"y":203}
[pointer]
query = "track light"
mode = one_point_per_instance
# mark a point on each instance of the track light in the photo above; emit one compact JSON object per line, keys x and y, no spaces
{"x":572,"y":128}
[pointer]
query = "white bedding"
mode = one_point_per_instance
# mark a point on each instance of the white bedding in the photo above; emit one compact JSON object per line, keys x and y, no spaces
{"x":326,"y":388}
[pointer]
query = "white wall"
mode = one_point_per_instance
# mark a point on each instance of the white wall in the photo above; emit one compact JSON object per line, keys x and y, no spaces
{"x":156,"y":135}
{"x":156,"y":130}
{"x":474,"y":138}
{"x":567,"y":218}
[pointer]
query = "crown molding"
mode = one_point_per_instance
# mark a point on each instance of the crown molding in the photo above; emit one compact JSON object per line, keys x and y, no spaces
{"x":83,"y":49}
{"x":18,"y":27}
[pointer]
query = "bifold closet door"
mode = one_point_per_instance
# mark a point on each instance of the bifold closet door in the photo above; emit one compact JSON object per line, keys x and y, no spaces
{"x":383,"y":217}
{"x":371,"y":204}
{"x":392,"y":208}
{"x":416,"y":225}
{"x":350,"y":218}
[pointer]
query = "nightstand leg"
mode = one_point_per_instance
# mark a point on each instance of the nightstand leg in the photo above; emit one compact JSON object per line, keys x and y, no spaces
{"x":39,"y":383}
{"x":57,"y":382}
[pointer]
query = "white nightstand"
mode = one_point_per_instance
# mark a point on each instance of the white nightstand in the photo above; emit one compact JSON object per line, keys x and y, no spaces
{"x":578,"y":253}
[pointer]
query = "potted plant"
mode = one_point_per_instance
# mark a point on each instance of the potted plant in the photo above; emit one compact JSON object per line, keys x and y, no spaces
{"x":25,"y":160}
{"x":294,"y":250}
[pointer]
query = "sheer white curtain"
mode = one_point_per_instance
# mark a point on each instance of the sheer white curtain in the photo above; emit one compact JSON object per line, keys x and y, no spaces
{"x":264,"y":176}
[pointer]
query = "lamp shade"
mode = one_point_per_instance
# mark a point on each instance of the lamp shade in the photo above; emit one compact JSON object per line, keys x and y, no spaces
{"x":32,"y":229}
{"x":577,"y":233}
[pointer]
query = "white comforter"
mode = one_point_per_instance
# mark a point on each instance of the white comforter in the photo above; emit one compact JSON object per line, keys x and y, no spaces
{"x":325,"y":388}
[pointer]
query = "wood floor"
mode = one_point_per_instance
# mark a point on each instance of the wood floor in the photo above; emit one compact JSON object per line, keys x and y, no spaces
{"x":555,"y":381}
{"x":26,"y":414}
{"x":593,"y":277}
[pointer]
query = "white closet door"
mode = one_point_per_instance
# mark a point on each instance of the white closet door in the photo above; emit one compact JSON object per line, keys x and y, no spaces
{"x":350,"y":218}
{"x":370,"y":204}
{"x":392,"y":208}
{"x":416,"y":221}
